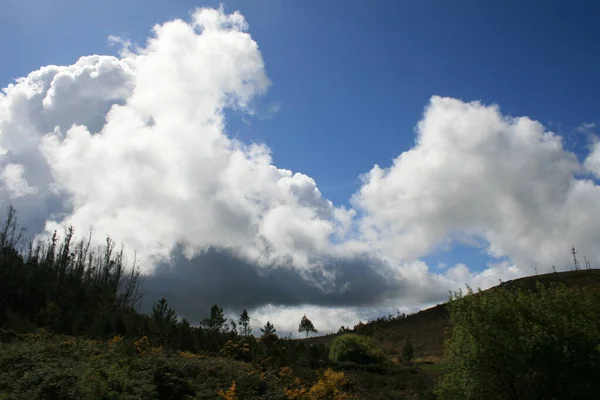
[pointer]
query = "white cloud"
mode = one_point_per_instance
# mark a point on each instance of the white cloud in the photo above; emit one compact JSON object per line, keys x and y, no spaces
{"x":587,"y":127}
{"x":13,"y":177}
{"x":476,"y":173}
{"x":325,"y":319}
{"x":592,"y":162}
{"x":157,"y":168}
{"x":50,"y":98}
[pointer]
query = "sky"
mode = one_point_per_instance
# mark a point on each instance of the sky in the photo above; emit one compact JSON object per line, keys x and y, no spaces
{"x":343,"y":159}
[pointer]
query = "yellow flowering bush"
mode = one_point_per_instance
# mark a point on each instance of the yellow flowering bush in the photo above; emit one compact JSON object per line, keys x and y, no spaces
{"x":230,"y":394}
{"x":116,"y":339}
{"x":328,"y":387}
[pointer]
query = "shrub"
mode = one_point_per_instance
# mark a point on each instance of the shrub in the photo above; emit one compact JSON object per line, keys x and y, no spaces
{"x":357,"y":349}
{"x":515,"y":344}
{"x":238,"y":351}
{"x":59,"y":367}
{"x":329,"y":386}
{"x":229,"y":394}
{"x":408,"y":353}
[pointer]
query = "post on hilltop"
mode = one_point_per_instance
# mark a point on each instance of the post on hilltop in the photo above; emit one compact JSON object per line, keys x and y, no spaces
{"x":575,"y":259}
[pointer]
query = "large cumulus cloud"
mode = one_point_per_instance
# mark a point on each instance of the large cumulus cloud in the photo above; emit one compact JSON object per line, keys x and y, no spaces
{"x":158,"y":169}
{"x":52,"y":98}
{"x":475,"y":173}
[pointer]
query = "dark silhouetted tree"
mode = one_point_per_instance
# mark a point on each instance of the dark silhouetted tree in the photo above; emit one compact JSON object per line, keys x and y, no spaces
{"x":307,"y":326}
{"x":66,"y":286}
{"x":165,"y":319}
{"x":244,"y":322}
{"x":269,"y":337}
{"x":268,"y":329}
{"x":343,"y":329}
{"x":216,"y":322}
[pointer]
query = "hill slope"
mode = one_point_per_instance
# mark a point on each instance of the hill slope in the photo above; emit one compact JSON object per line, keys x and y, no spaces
{"x":427,"y":328}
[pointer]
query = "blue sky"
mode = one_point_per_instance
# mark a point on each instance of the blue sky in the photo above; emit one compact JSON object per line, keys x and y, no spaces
{"x":351,"y":78}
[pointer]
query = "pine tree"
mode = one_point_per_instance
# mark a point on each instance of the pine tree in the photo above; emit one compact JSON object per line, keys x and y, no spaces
{"x":165,"y":319}
{"x":307,"y":326}
{"x":244,"y":322}
{"x":269,"y":329}
{"x":216,"y":322}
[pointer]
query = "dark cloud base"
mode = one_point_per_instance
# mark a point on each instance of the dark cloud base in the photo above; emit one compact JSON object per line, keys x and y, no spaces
{"x":219,"y":277}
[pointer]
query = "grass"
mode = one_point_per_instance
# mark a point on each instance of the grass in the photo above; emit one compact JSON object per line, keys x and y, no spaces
{"x":431,"y":368}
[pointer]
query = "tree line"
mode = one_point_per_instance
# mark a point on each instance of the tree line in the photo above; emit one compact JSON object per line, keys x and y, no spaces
{"x":71,"y":287}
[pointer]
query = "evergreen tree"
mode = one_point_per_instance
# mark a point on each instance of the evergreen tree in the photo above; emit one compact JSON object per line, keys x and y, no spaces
{"x":307,"y":326}
{"x":269,"y":336}
{"x":268,"y":329}
{"x":165,"y":319}
{"x":233,"y":330}
{"x":66,"y":286}
{"x":216,"y":322}
{"x":244,"y":322}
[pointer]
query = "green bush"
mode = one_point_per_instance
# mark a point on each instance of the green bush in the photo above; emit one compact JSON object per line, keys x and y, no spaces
{"x":357,"y":349}
{"x":515,"y":344}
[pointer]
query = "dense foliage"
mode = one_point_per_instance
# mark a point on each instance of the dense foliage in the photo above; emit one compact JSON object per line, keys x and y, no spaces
{"x":516,"y":344}
{"x":44,"y":366}
{"x":66,"y":286}
{"x":356,"y":349}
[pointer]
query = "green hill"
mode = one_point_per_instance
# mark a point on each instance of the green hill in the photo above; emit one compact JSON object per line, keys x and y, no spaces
{"x":427,"y":329}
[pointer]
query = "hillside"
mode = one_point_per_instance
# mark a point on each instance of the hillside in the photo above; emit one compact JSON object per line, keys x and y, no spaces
{"x":427,"y":329}
{"x":69,"y":330}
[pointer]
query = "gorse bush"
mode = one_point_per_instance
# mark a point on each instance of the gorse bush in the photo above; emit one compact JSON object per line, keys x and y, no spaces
{"x":356,"y":349}
{"x":53,"y":367}
{"x":515,"y":344}
{"x":329,"y":386}
{"x":241,"y":350}
{"x":229,"y":394}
